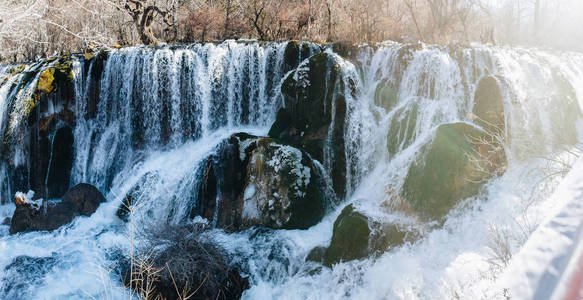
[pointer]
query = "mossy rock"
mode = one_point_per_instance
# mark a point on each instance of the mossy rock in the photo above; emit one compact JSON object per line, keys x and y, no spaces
{"x":283,"y":188}
{"x":349,"y":238}
{"x":261,"y":181}
{"x":317,"y":254}
{"x":489,"y":104}
{"x":46,"y":81}
{"x":452,"y":168}
{"x":402,"y":129}
{"x":309,"y":95}
{"x":345,"y":49}
{"x":387,"y":236}
{"x":386,"y":96}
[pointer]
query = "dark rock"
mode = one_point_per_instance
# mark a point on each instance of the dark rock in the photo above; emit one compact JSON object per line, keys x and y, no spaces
{"x":349,"y":238}
{"x":387,"y":236}
{"x":345,"y":49}
{"x":453,"y":167}
{"x":261,"y":182}
{"x":82,"y":199}
{"x":313,"y":97}
{"x":137,"y":193}
{"x":317,"y":254}
{"x":295,"y":52}
{"x":61,"y":162}
{"x":6,"y":221}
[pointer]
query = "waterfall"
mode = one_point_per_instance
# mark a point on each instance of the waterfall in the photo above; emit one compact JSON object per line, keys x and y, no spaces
{"x":145,"y":121}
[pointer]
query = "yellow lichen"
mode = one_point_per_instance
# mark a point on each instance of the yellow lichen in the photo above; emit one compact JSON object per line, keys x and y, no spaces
{"x":32,"y":102}
{"x":88,"y":54}
{"x":17,"y":69}
{"x":46,"y":81}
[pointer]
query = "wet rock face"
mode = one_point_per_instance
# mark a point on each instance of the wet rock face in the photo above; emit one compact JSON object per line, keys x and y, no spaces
{"x":453,"y":166}
{"x":61,"y":162}
{"x":489,"y":104}
{"x":82,"y":199}
{"x":295,"y":53}
{"x":313,"y":103}
{"x":44,"y":128}
{"x":260,"y":181}
{"x":403,"y":126}
{"x":349,"y":238}
{"x":357,"y":236}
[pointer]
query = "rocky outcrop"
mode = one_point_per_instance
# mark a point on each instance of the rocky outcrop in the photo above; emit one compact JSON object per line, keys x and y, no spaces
{"x":356,"y":236}
{"x":295,"y":53}
{"x":452,"y":167}
{"x":261,"y":181}
{"x":349,"y":238}
{"x":314,"y":113}
{"x":40,"y":128}
{"x":489,"y":105}
{"x":81,"y":200}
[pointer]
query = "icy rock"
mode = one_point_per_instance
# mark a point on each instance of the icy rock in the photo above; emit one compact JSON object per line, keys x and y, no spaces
{"x":313,"y":102}
{"x":274,"y":185}
{"x":83,"y":199}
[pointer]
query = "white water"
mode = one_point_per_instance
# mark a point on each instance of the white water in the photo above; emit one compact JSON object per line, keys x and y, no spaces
{"x":184,"y":102}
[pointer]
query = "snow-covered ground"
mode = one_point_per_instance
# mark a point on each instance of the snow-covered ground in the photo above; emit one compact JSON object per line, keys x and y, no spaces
{"x":548,"y":265}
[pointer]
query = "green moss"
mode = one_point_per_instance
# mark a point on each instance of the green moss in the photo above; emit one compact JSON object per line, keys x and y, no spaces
{"x":17,"y":69}
{"x":349,"y":238}
{"x":46,"y":81}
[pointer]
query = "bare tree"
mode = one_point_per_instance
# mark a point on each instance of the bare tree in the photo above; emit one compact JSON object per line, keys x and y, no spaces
{"x":145,"y":12}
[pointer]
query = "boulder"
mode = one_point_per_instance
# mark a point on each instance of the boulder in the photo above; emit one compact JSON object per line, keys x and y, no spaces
{"x":356,"y":236}
{"x":489,"y":104}
{"x":261,"y":182}
{"x":82,"y":199}
{"x":452,"y":167}
{"x":349,"y":238}
{"x":314,"y":101}
{"x":295,"y":52}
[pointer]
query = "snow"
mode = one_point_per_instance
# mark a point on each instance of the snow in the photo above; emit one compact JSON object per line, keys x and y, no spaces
{"x":542,"y":268}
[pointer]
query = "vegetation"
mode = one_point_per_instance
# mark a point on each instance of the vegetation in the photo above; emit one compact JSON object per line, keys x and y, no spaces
{"x":32,"y":28}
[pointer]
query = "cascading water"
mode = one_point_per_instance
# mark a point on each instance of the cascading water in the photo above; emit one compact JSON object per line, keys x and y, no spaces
{"x":147,"y":119}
